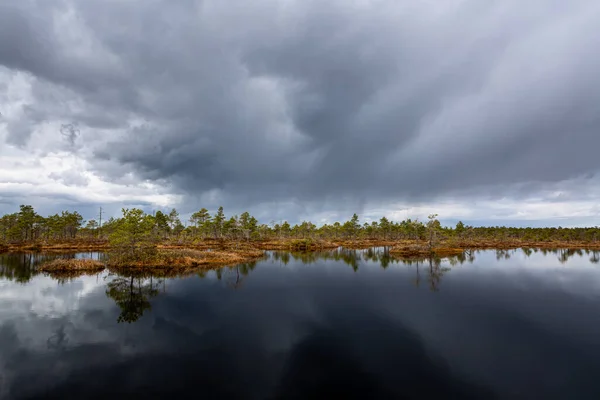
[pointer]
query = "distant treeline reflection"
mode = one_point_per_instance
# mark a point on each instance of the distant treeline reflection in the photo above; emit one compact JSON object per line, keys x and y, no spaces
{"x":133,"y":293}
{"x":22,"y":267}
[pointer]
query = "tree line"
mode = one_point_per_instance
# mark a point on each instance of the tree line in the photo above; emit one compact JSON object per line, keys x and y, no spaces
{"x":27,"y":225}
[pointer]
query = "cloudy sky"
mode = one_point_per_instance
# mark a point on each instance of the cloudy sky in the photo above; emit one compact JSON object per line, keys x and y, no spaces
{"x":482,"y":110}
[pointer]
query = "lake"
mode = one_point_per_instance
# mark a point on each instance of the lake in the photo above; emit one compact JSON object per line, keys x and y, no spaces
{"x":339,"y":324}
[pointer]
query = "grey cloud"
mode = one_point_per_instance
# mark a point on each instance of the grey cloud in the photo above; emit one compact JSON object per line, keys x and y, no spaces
{"x":23,"y":36}
{"x":70,"y":178}
{"x":19,"y":132}
{"x":312,"y":103}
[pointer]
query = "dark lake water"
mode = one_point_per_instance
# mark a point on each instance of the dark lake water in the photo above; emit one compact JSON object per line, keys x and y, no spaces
{"x":342,"y":324}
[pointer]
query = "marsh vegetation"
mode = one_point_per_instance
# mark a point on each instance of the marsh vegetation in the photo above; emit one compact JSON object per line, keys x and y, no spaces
{"x":161,"y":240}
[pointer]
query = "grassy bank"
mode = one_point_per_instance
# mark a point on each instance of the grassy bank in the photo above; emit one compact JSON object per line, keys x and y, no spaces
{"x":56,"y":246}
{"x":178,"y":261}
{"x":296,"y":244}
{"x":67,"y":269}
{"x":183,"y":260}
{"x":416,"y":251}
{"x":500,"y":244}
{"x":304,"y":245}
{"x":453,"y":247}
{"x":184,"y":257}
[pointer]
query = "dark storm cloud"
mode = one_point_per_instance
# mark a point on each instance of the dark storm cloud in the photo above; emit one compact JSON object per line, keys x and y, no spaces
{"x":318,"y":101}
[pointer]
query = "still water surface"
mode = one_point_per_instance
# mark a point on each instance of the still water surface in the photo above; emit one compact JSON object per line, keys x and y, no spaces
{"x":342,"y":324}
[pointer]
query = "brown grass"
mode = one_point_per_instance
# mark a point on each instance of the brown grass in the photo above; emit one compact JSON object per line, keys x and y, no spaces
{"x":499,"y":244}
{"x":446,"y":248}
{"x":65,"y":276}
{"x":56,"y":246}
{"x":198,"y":244}
{"x":233,"y":251}
{"x":278,"y":244}
{"x":310,"y":245}
{"x":359,"y":244}
{"x":73,"y":264}
{"x":295,"y":244}
{"x":186,"y":260}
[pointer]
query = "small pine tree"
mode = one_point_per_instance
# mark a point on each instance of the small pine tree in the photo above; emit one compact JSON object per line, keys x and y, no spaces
{"x":433,"y":228}
{"x":133,"y":238}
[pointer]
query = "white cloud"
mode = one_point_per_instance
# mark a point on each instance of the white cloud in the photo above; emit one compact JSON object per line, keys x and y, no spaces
{"x":44,"y":297}
{"x":32,"y":175}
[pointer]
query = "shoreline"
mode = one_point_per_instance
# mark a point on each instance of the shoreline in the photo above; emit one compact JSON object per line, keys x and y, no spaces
{"x":161,"y":261}
{"x":52,"y":246}
{"x":181,"y":258}
{"x":397,"y":246}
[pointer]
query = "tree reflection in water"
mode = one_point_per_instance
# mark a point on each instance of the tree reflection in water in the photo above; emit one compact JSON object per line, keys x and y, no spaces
{"x":435,"y":273}
{"x":350,"y":257}
{"x":381,"y":255}
{"x":504,"y":254}
{"x":19,"y":267}
{"x":565,"y":254}
{"x":433,"y":268}
{"x":22,"y":267}
{"x":235,"y":275}
{"x":132,"y":295}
